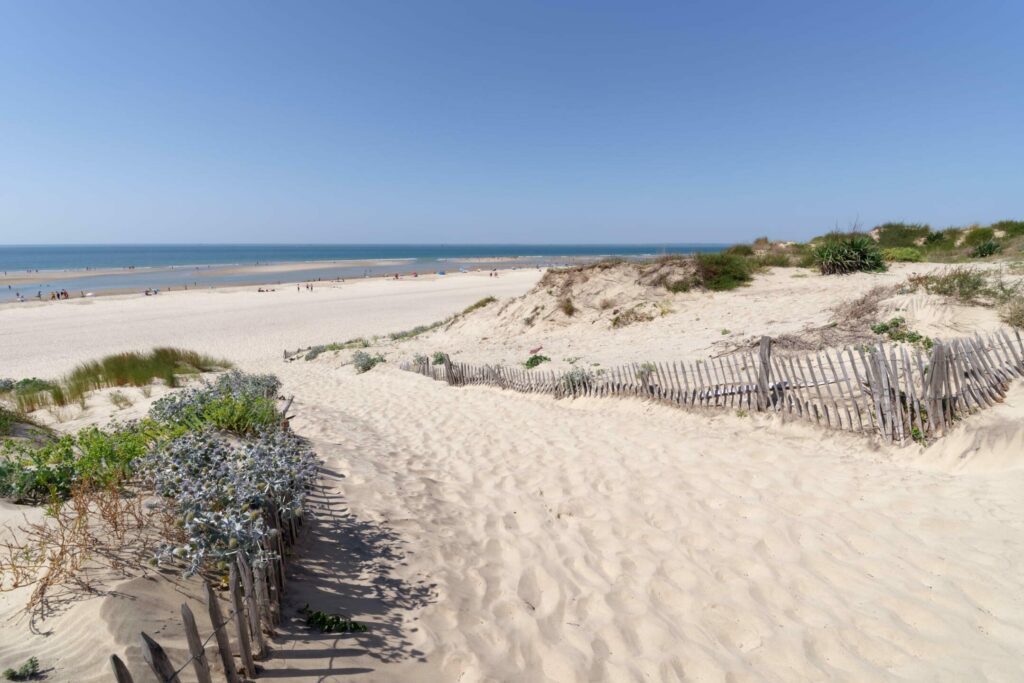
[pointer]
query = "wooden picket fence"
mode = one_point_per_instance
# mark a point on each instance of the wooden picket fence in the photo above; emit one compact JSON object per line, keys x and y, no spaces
{"x":896,"y":391}
{"x":255,"y":592}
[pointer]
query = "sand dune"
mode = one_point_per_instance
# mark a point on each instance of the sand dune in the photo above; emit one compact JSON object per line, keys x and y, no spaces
{"x":487,"y":535}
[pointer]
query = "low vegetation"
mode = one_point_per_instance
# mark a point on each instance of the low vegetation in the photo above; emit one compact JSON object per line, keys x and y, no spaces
{"x":977,"y":287}
{"x":486,"y":301}
{"x":331,"y":623}
{"x":315,"y":351}
{"x":902,"y":254}
{"x":634,"y":314}
{"x":985,"y":249}
{"x":364,"y":362}
{"x":26,"y":672}
{"x":842,"y":254}
{"x":896,"y":329}
{"x":645,"y":371}
{"x":576,"y":379}
{"x":118,"y":370}
{"x":535,"y":360}
{"x":217,"y":458}
{"x":720,"y":272}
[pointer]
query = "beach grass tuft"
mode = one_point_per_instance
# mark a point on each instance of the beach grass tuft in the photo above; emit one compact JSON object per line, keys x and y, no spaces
{"x":844,"y":253}
{"x":486,"y":301}
{"x":137,"y":370}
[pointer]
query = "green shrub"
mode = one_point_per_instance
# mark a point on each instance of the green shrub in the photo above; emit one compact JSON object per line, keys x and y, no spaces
{"x":535,"y":360}
{"x":841,"y":254}
{"x":740,"y":250}
{"x":675,"y":286}
{"x":905,"y":254}
{"x":6,"y":385}
{"x":901,"y":234}
{"x":438,"y":357}
{"x":986,"y":249}
{"x":91,"y":459}
{"x":236,"y":402}
{"x":566,"y":305}
{"x":243,"y":415}
{"x":979,"y":236}
{"x":364,"y":362}
{"x":945,"y":240}
{"x":420,"y":359}
{"x":1010,"y":228}
{"x":719,"y":272}
{"x":773,"y":259}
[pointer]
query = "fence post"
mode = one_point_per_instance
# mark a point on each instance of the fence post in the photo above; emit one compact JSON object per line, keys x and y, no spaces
{"x":157,"y":660}
{"x":245,"y":573}
{"x":121,"y":672}
{"x":243,"y":630}
{"x":195,"y":645}
{"x":219,"y":626}
{"x":764,"y":372}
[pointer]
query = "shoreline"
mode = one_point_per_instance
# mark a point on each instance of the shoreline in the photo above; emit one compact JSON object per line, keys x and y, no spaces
{"x":246,"y":286}
{"x":78,"y":282}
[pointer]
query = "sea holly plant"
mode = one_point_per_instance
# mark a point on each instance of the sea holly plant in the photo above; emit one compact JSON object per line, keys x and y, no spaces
{"x":223,"y":492}
{"x":231,"y":469}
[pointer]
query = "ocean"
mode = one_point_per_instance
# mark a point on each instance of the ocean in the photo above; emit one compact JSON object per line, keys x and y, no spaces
{"x":139,"y":267}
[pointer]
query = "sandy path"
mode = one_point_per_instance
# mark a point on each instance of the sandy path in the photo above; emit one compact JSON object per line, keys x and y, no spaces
{"x":610,"y":540}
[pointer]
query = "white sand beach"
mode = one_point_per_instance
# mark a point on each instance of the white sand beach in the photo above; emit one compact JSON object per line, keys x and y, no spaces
{"x":484,"y":535}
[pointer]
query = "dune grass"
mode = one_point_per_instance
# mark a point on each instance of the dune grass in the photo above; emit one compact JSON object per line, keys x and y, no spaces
{"x":118,"y":370}
{"x":844,"y":253}
{"x":137,"y":370}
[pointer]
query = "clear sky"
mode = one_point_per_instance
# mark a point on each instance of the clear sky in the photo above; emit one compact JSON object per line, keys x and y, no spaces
{"x":487,"y":121}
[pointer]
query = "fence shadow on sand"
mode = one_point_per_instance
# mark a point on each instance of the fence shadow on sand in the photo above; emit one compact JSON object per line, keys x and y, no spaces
{"x":345,"y":566}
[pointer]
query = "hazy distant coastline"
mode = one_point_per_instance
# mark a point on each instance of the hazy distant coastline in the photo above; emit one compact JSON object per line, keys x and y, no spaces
{"x":28,"y":270}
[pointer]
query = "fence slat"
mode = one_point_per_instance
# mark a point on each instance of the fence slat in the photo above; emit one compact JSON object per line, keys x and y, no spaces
{"x":121,"y":673}
{"x":158,"y":660}
{"x":219,"y":625}
{"x":195,"y":646}
{"x":241,"y":628}
{"x":251,"y":607}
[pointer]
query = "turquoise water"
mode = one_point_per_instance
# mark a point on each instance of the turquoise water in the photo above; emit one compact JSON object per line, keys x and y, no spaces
{"x":178,"y":266}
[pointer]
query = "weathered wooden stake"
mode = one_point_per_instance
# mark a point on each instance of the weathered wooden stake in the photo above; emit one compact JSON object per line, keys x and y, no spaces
{"x":121,"y":673}
{"x":195,"y":645}
{"x":251,"y":607}
{"x":243,"y":631}
{"x":157,"y":660}
{"x":220,"y":631}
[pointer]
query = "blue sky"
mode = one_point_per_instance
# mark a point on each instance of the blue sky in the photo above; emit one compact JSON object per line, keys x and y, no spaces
{"x":504,"y":121}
